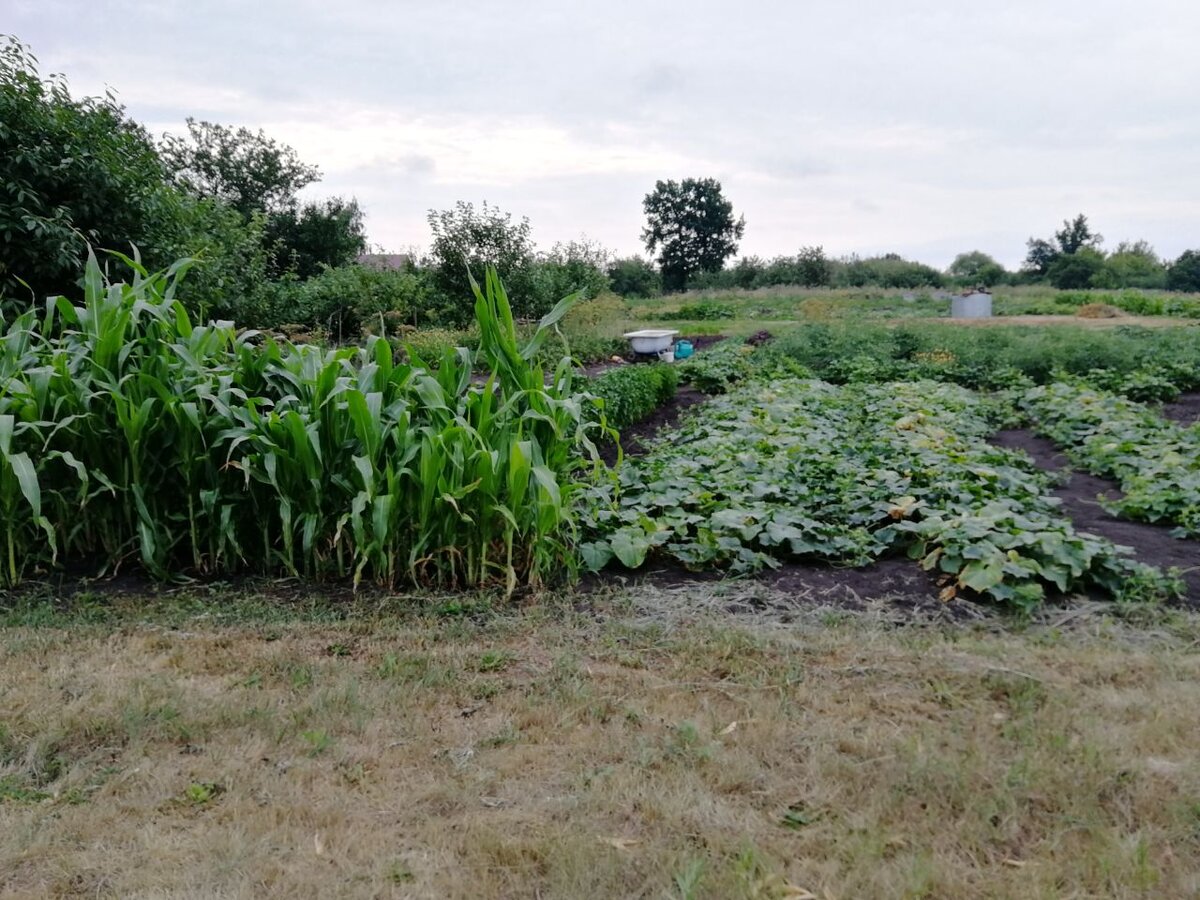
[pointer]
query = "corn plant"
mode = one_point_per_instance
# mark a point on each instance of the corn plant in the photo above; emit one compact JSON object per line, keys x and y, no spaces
{"x":128,"y":433}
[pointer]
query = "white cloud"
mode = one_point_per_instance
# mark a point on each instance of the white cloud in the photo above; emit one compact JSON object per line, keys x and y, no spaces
{"x":923,"y":128}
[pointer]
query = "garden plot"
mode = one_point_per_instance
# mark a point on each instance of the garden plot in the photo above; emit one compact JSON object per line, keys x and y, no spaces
{"x":1154,"y":461}
{"x":797,"y":469}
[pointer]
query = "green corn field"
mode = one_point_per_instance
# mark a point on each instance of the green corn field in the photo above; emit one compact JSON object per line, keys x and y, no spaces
{"x":130,"y":436}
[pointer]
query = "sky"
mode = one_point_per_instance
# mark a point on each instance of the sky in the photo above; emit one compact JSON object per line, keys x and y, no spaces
{"x":925,"y":128}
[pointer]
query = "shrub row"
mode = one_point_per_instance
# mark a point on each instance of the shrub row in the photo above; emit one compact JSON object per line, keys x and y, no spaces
{"x":629,"y":394}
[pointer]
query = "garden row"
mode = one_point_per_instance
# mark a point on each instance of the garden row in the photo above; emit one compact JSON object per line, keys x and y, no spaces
{"x":1156,"y":462}
{"x":795,"y":469}
{"x":1146,"y":364}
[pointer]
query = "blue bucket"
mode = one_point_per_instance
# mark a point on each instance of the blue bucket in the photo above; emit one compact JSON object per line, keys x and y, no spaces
{"x":683,"y":349}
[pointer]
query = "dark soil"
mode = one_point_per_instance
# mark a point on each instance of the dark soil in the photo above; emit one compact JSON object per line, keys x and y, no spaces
{"x":636,"y":439}
{"x":759,"y":338}
{"x":1152,"y":544}
{"x":894,"y":583}
{"x":1185,"y":410}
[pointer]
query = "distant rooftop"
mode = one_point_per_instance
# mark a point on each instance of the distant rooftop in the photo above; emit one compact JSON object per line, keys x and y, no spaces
{"x":384,"y":260}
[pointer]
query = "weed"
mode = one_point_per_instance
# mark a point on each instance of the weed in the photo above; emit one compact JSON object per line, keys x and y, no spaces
{"x":318,"y":740}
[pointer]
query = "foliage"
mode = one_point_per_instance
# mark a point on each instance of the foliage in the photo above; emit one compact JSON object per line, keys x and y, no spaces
{"x":704,"y":310}
{"x":570,"y":268}
{"x":1074,"y":239}
{"x":71,"y":172}
{"x":719,"y":367}
{"x":341,"y":302}
{"x":231,"y":277}
{"x":813,"y":268}
{"x":1081,"y":269}
{"x":248,"y":171}
{"x":1184,"y":274}
{"x":1040,"y":255}
{"x":466,"y":239}
{"x":796,"y":469}
{"x":691,"y":226}
{"x":1134,"y":265}
{"x":260,"y":177}
{"x":1155,"y":461}
{"x":888,"y":271}
{"x":809,"y":268}
{"x":629,"y":394}
{"x":127,"y":432}
{"x":306,"y":238}
{"x":633,"y":276}
{"x":1076,"y":235}
{"x":976,"y":268}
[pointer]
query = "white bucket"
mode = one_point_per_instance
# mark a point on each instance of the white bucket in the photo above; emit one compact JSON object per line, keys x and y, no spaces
{"x":667,"y":356}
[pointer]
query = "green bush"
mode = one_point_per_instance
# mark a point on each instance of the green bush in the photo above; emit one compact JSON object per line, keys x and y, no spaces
{"x":717,"y":368}
{"x":342,"y":301}
{"x":629,"y":394}
{"x":705,"y":310}
{"x":970,"y":356}
{"x":72,"y":173}
{"x":634,"y":277}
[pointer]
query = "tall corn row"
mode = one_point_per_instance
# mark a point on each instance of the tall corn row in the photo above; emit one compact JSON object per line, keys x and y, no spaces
{"x":127,"y":433}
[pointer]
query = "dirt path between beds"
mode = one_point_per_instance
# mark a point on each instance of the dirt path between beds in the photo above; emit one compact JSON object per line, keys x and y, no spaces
{"x":1152,"y":544}
{"x":1185,"y":410}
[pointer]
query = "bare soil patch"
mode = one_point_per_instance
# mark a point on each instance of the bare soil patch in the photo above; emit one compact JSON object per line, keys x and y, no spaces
{"x":637,"y":439}
{"x":1152,"y":544}
{"x":1185,"y":410}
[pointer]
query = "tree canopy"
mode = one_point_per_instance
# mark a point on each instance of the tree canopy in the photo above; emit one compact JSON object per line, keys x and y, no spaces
{"x":466,"y":238}
{"x":246,"y":170}
{"x":691,"y":225}
{"x":976,"y":268}
{"x":1074,"y":236}
{"x":72,"y":172}
{"x":1184,"y":274}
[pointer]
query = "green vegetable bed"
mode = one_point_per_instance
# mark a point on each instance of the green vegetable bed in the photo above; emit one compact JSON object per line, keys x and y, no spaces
{"x":797,"y":469}
{"x":1155,"y":461}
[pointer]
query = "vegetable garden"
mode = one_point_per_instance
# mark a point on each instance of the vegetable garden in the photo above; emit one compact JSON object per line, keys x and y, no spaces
{"x":128,"y":434}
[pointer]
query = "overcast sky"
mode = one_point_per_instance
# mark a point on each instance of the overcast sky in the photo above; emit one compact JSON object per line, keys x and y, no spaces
{"x":924,"y":127}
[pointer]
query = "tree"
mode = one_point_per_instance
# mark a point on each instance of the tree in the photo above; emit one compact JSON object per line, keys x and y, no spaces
{"x":464,"y":238}
{"x":691,"y":226}
{"x":976,"y":268}
{"x":1075,"y":235}
{"x":813,"y":269}
{"x":250,"y":172}
{"x":72,"y":172}
{"x":257,"y":175}
{"x":574,"y":267}
{"x":1184,"y":274}
{"x":1040,"y":257}
{"x":634,"y":277}
{"x":1135,"y":265}
{"x":1078,"y":270}
{"x":307,"y":238}
{"x":747,"y":272}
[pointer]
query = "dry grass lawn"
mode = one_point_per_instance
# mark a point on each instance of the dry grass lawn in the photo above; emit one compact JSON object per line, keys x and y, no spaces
{"x":607,"y":754}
